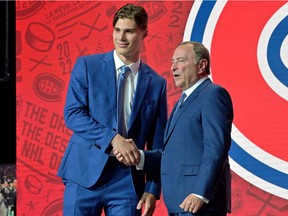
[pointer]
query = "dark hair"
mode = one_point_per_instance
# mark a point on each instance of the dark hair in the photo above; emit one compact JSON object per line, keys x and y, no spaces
{"x":201,"y":52}
{"x":133,"y":12}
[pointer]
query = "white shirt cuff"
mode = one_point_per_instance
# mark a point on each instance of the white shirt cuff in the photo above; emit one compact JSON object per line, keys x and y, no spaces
{"x":140,"y":166}
{"x":203,"y":198}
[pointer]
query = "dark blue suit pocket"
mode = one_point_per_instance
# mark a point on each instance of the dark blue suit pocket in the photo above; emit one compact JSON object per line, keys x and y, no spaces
{"x":148,"y":104}
{"x":189,"y":170}
{"x":147,"y":108}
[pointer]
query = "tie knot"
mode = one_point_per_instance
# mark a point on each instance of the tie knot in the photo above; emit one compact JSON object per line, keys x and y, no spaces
{"x":125,"y":70}
{"x":182,"y":98}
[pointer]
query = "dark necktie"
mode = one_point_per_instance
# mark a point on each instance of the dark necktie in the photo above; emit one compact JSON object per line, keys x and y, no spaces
{"x":125,"y":71}
{"x":178,"y":105}
{"x":180,"y":102}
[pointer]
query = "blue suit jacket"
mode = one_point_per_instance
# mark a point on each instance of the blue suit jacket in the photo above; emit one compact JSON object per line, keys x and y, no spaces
{"x":195,"y":152}
{"x":91,"y":113}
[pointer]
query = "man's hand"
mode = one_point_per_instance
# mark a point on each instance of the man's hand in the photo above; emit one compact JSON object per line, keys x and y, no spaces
{"x":125,"y":150}
{"x":149,"y":200}
{"x":192,"y":203}
{"x":119,"y":156}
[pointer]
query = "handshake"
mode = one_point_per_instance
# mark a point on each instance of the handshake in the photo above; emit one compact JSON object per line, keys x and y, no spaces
{"x":125,"y":150}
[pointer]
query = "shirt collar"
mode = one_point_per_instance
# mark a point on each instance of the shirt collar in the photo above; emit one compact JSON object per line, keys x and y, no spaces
{"x":134,"y":67}
{"x":193,"y":87}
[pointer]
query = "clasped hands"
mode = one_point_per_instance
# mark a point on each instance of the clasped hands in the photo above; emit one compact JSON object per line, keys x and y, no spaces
{"x":125,"y":150}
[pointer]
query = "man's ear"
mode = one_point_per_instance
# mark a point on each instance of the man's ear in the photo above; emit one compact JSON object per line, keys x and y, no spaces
{"x":202,"y":66}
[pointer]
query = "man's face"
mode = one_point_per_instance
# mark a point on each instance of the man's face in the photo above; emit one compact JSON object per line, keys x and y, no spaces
{"x":184,"y":67}
{"x":128,"y":39}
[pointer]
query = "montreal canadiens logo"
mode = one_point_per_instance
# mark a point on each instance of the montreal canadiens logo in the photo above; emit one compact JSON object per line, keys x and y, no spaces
{"x":249,"y":58}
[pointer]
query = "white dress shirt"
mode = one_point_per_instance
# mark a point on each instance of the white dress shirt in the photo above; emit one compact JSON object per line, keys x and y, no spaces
{"x":131,"y":85}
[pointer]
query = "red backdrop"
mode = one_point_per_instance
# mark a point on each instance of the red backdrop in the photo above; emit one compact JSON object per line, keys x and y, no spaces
{"x":50,"y":35}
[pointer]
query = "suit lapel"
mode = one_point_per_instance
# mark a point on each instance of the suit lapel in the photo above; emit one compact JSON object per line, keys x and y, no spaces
{"x":142,"y":85}
{"x":169,"y":122}
{"x":173,"y":119}
{"x":109,"y":76}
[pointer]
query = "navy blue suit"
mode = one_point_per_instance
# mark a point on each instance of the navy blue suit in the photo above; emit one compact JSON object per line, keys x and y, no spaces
{"x":195,"y":151}
{"x":91,"y":113}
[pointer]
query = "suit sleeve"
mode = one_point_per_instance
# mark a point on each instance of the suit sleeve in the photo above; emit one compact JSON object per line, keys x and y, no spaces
{"x":76,"y":110}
